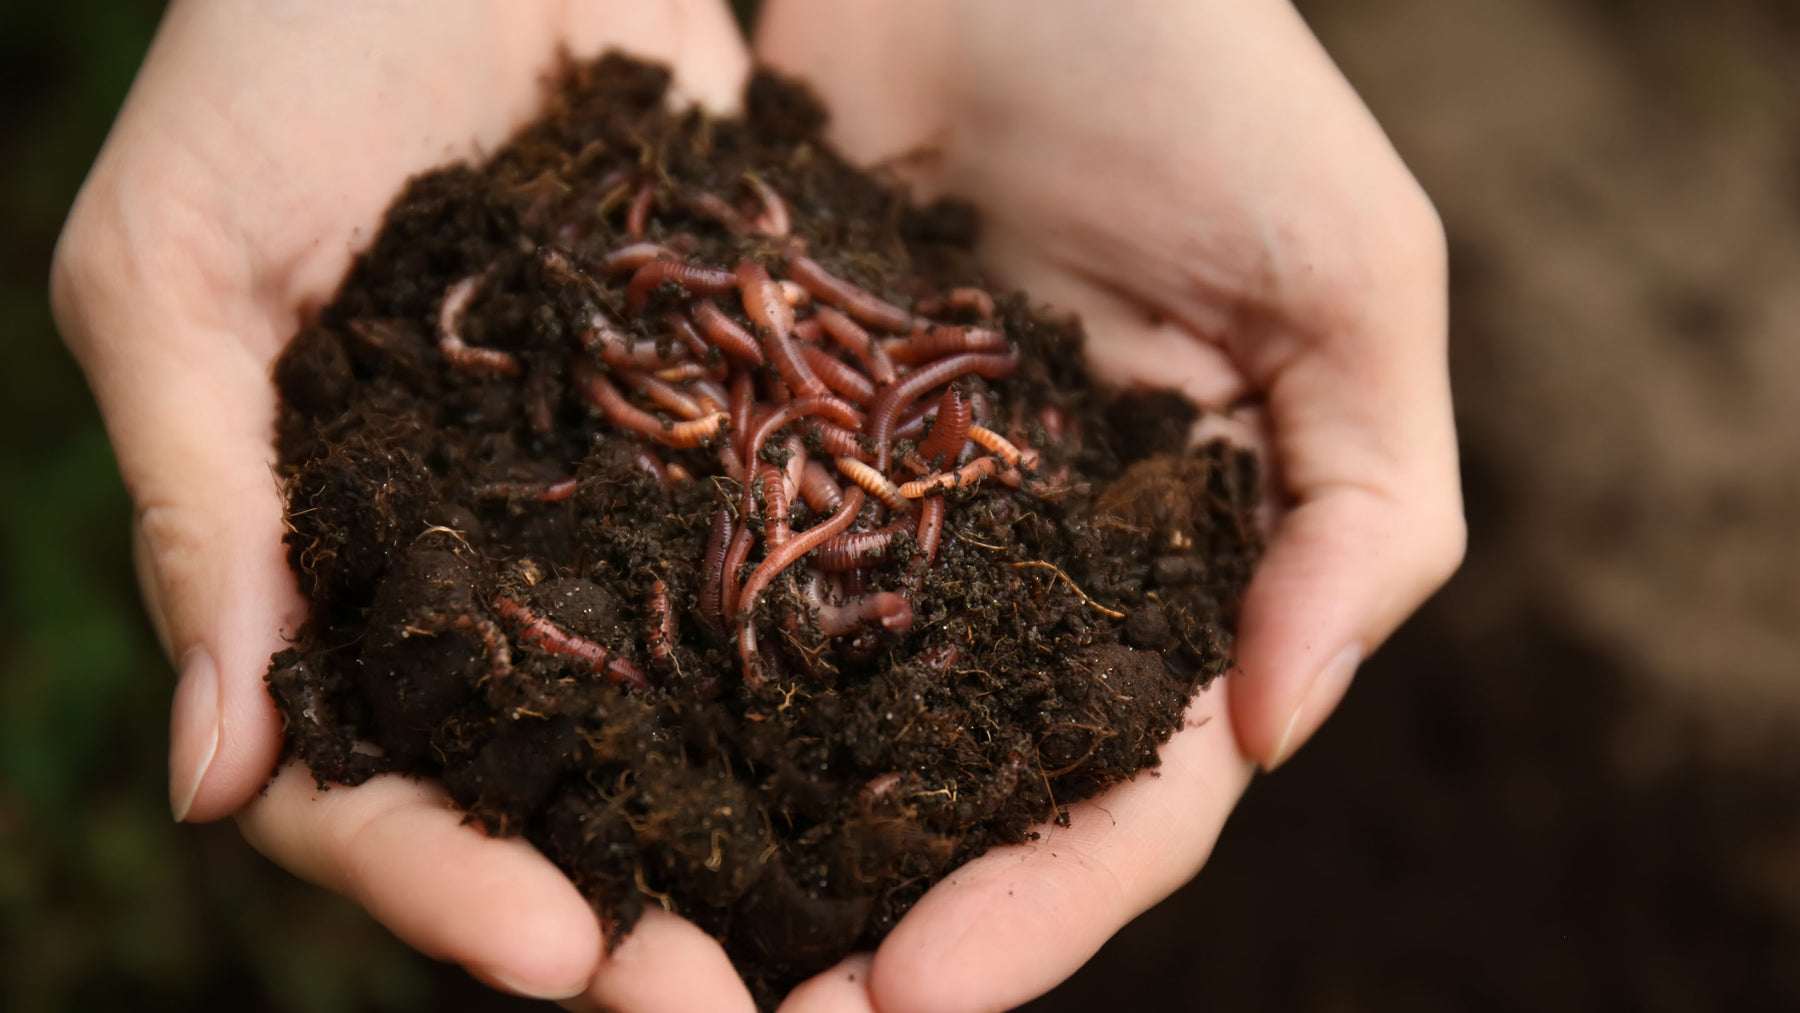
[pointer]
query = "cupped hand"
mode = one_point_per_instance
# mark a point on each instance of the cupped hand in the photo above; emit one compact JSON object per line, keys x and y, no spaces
{"x":1203,"y":187}
{"x":255,"y":154}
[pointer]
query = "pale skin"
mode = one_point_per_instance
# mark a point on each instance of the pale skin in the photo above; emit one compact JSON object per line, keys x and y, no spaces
{"x":1196,"y":180}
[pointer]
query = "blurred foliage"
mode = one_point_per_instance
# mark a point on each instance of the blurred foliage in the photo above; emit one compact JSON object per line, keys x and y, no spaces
{"x":105,"y":903}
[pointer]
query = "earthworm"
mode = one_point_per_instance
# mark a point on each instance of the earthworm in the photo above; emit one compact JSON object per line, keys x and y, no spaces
{"x":665,"y":395}
{"x":647,"y":459}
{"x":730,"y":461}
{"x":850,"y":334}
{"x":827,"y":287}
{"x":931,"y":529}
{"x":659,"y":635}
{"x":774,"y":220}
{"x":796,"y":295}
{"x":796,"y":466}
{"x":638,"y":214}
{"x":779,"y":560}
{"x":537,"y":631}
{"x":725,"y":334}
{"x":632,"y":256}
{"x":682,"y":327}
{"x":874,"y":482}
{"x":994,"y":443}
{"x":741,"y":405}
{"x":962,"y":299}
{"x":462,"y":357}
{"x":912,"y":425}
{"x":819,"y":489}
{"x":765,"y":307}
{"x":712,"y":566}
{"x":711,"y":395}
{"x":936,"y":342}
{"x":809,"y":332}
{"x":892,"y":609}
{"x":837,"y":441}
{"x":678,"y":475}
{"x":598,"y":391}
{"x":896,"y":398}
{"x":949,"y":432}
{"x":694,"y":278}
{"x":853,"y":549}
{"x":879,"y":787}
{"x":546,"y":492}
{"x":686,"y":371}
{"x":735,"y":555}
{"x":775,"y":507}
{"x":968,"y":474}
{"x":839,"y":375}
{"x":710,"y":205}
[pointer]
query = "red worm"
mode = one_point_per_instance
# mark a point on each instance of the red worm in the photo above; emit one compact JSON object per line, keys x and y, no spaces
{"x":694,"y":278}
{"x":687,"y":371}
{"x":827,"y":287}
{"x":666,"y":395}
{"x":854,"y":549}
{"x":725,"y":334}
{"x":598,"y":391}
{"x":949,"y":432}
{"x":460,"y":356}
{"x":968,"y":474}
{"x":774,"y":220}
{"x":937,"y":342}
{"x":742,"y":406}
{"x":837,"y":441}
{"x":638,"y":214}
{"x":772,"y":566}
{"x":874,"y":482}
{"x":848,"y":333}
{"x":659,"y":634}
{"x":770,"y":312}
{"x":895,"y":399}
{"x":912,"y":425}
{"x":892,"y":609}
{"x":839,"y":375}
{"x":711,"y":395}
{"x":536,"y":631}
{"x":683,"y":330}
{"x":632,"y":256}
{"x":931,"y":530}
{"x":994,"y":443}
{"x":795,"y":295}
{"x":819,"y":489}
{"x":711,"y":205}
{"x":735,"y":555}
{"x":647,"y":460}
{"x":546,"y":492}
{"x":964,"y":299}
{"x":712,"y":568}
{"x":775,"y":507}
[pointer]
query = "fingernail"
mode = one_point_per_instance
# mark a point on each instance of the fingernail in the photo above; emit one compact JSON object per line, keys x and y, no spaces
{"x":1317,"y":703}
{"x":193,"y":729}
{"x":531,"y":991}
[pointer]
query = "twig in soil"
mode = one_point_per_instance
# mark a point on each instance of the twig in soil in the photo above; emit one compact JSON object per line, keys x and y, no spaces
{"x":1077,"y":587}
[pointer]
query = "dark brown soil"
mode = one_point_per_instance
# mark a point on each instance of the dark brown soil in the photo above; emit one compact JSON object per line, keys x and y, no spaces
{"x":515,"y":594}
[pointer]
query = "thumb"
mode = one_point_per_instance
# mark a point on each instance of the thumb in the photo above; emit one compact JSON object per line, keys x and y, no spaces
{"x":189,"y":410}
{"x":1365,"y":448}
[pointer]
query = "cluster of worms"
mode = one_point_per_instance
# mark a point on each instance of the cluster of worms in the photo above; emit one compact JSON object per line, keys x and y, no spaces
{"x":842,"y":420}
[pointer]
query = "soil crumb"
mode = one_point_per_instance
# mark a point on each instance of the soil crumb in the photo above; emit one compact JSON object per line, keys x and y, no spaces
{"x":685,"y":500}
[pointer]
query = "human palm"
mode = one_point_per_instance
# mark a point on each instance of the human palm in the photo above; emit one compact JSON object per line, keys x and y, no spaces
{"x":1198,"y":184}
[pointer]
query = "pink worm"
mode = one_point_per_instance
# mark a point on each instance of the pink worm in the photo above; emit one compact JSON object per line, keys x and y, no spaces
{"x":894,"y":399}
{"x":949,"y":432}
{"x":848,"y":333}
{"x":838,"y":375}
{"x":892,"y":609}
{"x":725,"y":334}
{"x":537,"y":631}
{"x":694,"y":278}
{"x":772,"y":566}
{"x":598,"y":391}
{"x":458,"y":354}
{"x":827,"y":287}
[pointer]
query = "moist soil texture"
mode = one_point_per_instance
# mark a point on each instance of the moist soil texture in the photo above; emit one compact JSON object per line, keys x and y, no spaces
{"x":682,"y":498}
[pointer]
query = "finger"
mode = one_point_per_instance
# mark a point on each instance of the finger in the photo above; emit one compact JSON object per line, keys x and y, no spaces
{"x":843,"y":988}
{"x":666,"y":965}
{"x":397,"y":847}
{"x":1359,"y":405}
{"x":1013,"y":923}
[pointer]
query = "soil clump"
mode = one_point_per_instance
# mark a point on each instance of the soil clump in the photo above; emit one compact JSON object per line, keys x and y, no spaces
{"x":678,"y":496}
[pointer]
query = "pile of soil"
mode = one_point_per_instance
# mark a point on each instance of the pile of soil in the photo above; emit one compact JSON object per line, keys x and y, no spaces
{"x":675,"y":494}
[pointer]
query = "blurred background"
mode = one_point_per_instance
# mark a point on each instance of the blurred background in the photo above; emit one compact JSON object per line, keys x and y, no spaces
{"x":1571,"y":783}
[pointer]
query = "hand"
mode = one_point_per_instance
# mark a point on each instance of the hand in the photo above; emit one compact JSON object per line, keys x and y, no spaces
{"x":255,"y":155}
{"x":1200,"y":184}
